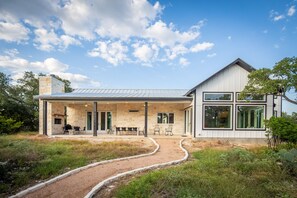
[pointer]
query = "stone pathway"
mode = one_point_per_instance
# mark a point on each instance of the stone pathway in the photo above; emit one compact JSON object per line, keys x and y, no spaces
{"x":79,"y":184}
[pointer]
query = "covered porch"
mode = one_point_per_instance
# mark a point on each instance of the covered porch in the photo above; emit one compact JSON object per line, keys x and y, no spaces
{"x":115,"y":117}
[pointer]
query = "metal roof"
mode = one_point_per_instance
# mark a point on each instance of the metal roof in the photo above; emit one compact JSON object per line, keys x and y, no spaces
{"x":238,"y":62}
{"x":120,"y":95}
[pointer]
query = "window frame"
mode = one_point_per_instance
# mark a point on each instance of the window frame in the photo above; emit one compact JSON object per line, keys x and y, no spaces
{"x":58,"y":121}
{"x":250,"y":129}
{"x":221,"y":129}
{"x":250,"y":101}
{"x":217,"y":92}
{"x":168,"y":115}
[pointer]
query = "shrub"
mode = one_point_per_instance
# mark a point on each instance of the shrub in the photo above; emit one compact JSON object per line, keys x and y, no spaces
{"x":288,"y":160}
{"x":9,"y":125}
{"x":282,"y":129}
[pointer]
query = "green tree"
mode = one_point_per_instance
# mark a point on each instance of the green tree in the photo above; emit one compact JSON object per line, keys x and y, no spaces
{"x":279,"y":80}
{"x":16,"y":101}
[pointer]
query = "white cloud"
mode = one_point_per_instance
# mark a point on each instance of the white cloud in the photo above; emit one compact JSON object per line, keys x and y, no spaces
{"x":183,"y":62}
{"x":48,"y":40}
{"x":291,"y":11}
{"x":144,"y":53}
{"x":229,"y":37}
{"x":49,"y":66}
{"x":11,"y":52}
{"x":112,"y":52}
{"x":211,"y":55}
{"x":202,"y":47}
{"x":13,"y":32}
{"x":278,"y":17}
{"x":166,"y":35}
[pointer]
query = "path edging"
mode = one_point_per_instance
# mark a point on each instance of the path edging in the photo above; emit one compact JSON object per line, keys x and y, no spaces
{"x":107,"y":181}
{"x":77,"y":170}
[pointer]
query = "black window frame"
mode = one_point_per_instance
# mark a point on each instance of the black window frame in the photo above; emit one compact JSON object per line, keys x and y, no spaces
{"x":221,"y":129}
{"x":168,"y":116}
{"x":217,"y":92}
{"x":250,"y":101}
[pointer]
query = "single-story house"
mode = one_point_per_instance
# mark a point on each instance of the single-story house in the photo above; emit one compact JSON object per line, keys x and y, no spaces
{"x":212,"y":109}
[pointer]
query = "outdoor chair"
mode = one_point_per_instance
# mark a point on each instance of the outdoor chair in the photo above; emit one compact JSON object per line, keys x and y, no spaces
{"x":66,"y":128}
{"x":157,"y":129}
{"x":168,"y":130}
{"x":141,"y":131}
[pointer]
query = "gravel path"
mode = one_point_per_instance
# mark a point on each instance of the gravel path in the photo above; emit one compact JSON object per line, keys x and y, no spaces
{"x":78,"y":185}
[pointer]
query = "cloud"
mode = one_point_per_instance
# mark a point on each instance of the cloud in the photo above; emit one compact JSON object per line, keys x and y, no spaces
{"x":211,"y":55}
{"x":11,"y":52}
{"x":112,"y":52}
{"x":291,"y":11}
{"x":278,"y":17}
{"x":47,"y":40}
{"x":144,"y":53}
{"x":13,"y":32}
{"x":183,"y":62}
{"x":202,"y":47}
{"x":49,"y":66}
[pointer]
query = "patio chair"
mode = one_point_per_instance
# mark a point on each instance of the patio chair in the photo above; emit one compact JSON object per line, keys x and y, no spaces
{"x":157,"y":129}
{"x":141,"y":131}
{"x":168,"y":130}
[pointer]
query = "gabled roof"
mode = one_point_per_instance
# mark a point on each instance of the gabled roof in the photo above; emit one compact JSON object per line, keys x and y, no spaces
{"x":121,"y":95}
{"x":238,"y":62}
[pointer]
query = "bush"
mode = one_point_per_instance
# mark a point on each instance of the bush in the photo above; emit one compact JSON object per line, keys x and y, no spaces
{"x":282,"y":129}
{"x":288,"y":160}
{"x":9,"y":125}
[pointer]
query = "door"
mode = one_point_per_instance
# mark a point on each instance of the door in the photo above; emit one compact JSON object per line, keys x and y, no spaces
{"x":104,"y":120}
{"x":188,"y":120}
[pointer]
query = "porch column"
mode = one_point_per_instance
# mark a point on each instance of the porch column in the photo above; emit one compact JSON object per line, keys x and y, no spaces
{"x":145,"y":119}
{"x":95,"y":119}
{"x":44,"y":117}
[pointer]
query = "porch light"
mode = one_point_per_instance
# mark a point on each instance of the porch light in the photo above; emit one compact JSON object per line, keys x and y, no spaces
{"x":86,"y":105}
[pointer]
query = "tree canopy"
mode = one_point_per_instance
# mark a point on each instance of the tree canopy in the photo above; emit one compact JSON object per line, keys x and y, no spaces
{"x":279,"y":80}
{"x":16,"y":99}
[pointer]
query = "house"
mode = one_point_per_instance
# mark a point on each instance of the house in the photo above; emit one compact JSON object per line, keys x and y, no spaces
{"x":212,"y":109}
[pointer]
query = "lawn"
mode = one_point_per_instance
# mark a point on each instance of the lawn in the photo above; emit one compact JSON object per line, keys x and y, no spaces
{"x":27,"y":158}
{"x":216,"y":173}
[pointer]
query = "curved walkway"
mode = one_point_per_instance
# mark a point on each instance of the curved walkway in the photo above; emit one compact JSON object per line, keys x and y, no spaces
{"x":81,"y":183}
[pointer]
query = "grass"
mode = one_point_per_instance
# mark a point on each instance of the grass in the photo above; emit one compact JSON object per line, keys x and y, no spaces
{"x":27,"y":158}
{"x":213,"y":173}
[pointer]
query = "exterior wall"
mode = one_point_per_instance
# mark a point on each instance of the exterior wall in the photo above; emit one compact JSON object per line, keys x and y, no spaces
{"x":50,"y":85}
{"x":121,"y":117}
{"x":233,"y":80}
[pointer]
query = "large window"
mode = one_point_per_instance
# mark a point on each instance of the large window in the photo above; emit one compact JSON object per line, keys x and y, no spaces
{"x":217,"y":117}
{"x":165,"y":118}
{"x":218,"y":97}
{"x":250,"y":116}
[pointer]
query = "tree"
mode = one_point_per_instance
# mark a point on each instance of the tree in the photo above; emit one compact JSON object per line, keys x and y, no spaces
{"x":279,"y":80}
{"x":16,"y":101}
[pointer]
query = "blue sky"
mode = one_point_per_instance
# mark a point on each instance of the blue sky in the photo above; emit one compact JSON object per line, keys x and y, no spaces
{"x":143,"y":44}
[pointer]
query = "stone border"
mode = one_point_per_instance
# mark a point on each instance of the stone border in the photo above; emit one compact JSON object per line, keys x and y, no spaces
{"x":109,"y":180}
{"x":69,"y":173}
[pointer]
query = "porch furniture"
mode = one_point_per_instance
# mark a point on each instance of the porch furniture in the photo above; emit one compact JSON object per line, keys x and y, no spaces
{"x":157,"y":129}
{"x":141,"y":131}
{"x":66,"y":128}
{"x":168,"y":130}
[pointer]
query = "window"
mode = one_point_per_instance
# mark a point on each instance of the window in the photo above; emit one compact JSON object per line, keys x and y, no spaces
{"x":58,"y":121}
{"x":217,"y":117}
{"x":165,"y":118}
{"x":251,"y":98}
{"x":250,"y":116}
{"x":218,"y":96}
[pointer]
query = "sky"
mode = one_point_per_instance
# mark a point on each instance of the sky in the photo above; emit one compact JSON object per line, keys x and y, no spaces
{"x":143,"y":44}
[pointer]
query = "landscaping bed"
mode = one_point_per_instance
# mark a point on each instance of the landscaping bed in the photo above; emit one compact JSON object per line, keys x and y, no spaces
{"x":28,"y":158}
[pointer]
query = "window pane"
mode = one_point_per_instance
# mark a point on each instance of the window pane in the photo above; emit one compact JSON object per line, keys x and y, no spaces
{"x":217,"y":96}
{"x":171,"y":118}
{"x":102,"y":120}
{"x":217,"y":117}
{"x":250,"y":116}
{"x":165,"y":118}
{"x":109,"y":121}
{"x":159,"y":118}
{"x":89,"y":121}
{"x":252,"y":98}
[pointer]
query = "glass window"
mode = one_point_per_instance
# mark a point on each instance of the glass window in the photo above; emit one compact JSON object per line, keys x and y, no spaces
{"x":250,"y":117}
{"x":217,"y":96}
{"x":58,"y":121}
{"x":165,"y":118}
{"x":217,"y":117}
{"x":252,"y":98}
